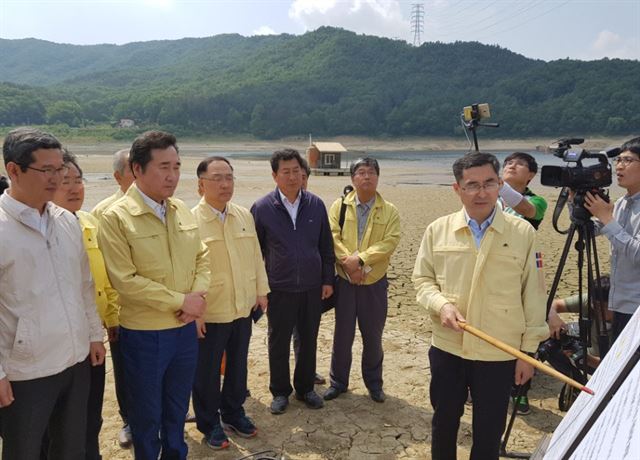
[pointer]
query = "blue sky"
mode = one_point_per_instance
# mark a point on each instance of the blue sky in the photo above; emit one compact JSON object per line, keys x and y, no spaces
{"x":542,"y":29}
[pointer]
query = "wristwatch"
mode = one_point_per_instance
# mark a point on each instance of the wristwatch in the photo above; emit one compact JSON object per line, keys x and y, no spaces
{"x":360,"y":262}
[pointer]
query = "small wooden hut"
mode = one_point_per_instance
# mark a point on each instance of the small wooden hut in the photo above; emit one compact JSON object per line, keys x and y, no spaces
{"x":325,"y":159}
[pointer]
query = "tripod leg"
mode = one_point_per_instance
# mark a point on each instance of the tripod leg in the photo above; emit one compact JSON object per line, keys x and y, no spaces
{"x":584,"y":308}
{"x":563,"y":259}
{"x":503,"y":447}
{"x":599,"y":307}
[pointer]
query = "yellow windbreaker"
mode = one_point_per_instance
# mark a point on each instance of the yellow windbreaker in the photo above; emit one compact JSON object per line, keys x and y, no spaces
{"x":106,"y":296}
{"x":150,"y":264}
{"x":237,"y":269}
{"x":498,"y":287}
{"x":380,"y":238}
{"x":101,"y":207}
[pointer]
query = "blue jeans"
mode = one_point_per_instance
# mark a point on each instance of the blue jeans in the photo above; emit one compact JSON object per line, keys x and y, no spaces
{"x":159,"y":368}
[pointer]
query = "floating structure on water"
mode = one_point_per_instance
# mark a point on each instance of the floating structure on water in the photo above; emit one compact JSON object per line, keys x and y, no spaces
{"x":329,"y":158}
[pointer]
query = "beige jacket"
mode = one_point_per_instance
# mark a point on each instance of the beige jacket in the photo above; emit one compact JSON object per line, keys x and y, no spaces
{"x":498,"y":287}
{"x":152,"y":265}
{"x":47,"y":300}
{"x":101,"y":207}
{"x":379,"y":241}
{"x":237,"y":269}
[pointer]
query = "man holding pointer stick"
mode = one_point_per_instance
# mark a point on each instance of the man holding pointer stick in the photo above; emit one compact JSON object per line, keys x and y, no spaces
{"x":478,"y":266}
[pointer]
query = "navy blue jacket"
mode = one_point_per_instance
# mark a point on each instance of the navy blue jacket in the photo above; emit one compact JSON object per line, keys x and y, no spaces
{"x":297,"y":259}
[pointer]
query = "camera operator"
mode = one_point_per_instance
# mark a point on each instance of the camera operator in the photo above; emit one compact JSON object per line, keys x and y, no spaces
{"x":517,"y":171}
{"x":571,"y":305}
{"x":620,"y":223}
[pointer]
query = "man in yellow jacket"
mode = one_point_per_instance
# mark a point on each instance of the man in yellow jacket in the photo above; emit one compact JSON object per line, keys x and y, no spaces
{"x":238,"y":287}
{"x":159,"y":266}
{"x":124,"y":177}
{"x":478,"y":265}
{"x":70,"y":196}
{"x":363,"y":244}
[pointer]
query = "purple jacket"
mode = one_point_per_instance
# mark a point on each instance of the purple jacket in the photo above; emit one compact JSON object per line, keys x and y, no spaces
{"x":297,"y":259}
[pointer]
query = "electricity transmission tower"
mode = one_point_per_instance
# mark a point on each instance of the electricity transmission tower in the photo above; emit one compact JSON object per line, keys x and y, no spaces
{"x":417,"y":22}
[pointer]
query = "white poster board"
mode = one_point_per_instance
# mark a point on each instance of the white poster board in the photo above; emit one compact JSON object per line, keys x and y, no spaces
{"x":616,"y":433}
{"x":585,"y":405}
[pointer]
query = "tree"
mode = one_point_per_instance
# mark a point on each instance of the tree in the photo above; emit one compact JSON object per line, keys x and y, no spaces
{"x":65,"y":112}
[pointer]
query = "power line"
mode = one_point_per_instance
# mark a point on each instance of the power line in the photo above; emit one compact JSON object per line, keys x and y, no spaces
{"x":464,"y":15}
{"x":554,"y":7}
{"x":507,"y":16}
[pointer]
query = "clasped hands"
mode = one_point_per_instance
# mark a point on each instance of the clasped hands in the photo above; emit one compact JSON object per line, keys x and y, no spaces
{"x":193,"y":306}
{"x":351,"y":265}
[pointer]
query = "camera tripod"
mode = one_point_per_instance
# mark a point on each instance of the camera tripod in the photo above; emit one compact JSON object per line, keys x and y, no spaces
{"x":581,"y":224}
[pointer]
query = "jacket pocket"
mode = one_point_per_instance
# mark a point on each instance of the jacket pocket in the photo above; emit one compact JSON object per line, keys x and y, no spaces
{"x":190,"y":235}
{"x":23,"y":341}
{"x":504,"y":322}
{"x":147,"y":249}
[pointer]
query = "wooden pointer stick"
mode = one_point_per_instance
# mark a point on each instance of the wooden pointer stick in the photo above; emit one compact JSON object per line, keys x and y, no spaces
{"x":518,"y":354}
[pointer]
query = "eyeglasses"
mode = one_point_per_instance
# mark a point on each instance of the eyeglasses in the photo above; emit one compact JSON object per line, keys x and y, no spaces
{"x":475,"y":188}
{"x":52,"y":172}
{"x":626,"y":161}
{"x":220,"y":178}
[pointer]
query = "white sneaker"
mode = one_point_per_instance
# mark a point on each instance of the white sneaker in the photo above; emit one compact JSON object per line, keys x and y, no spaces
{"x":124,"y":437}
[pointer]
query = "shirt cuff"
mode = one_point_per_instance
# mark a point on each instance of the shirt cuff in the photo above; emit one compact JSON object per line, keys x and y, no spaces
{"x":611,"y":229}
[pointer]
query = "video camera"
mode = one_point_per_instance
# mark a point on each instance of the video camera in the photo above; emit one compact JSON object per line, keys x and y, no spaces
{"x":566,"y":355}
{"x":568,"y":345}
{"x":578,"y":177}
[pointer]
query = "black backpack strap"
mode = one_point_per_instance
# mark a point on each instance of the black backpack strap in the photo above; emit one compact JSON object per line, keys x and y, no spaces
{"x":343,"y":208}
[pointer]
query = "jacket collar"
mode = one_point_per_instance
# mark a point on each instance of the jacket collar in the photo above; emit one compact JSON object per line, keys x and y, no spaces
{"x":460,"y":220}
{"x":16,"y":208}
{"x":350,"y":199}
{"x":136,"y":204}
{"x":276,"y":200}
{"x":207,"y":213}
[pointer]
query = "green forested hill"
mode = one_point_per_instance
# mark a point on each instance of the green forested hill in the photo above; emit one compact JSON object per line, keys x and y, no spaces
{"x":326,"y":82}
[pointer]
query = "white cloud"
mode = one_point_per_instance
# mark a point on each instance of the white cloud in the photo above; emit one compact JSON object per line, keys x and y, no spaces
{"x":612,"y":45}
{"x":264,"y":30}
{"x":373,"y":17}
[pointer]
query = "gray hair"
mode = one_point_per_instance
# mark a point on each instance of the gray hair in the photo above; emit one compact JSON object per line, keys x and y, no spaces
{"x":120,"y":160}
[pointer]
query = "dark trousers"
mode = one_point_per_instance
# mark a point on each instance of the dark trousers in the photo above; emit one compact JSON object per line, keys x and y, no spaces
{"x":366,"y":305}
{"x":56,"y":404}
{"x":296,"y":343}
{"x":208,"y":402}
{"x":451,"y":379}
{"x":118,"y":378}
{"x":286,"y":309}
{"x":159,"y":368}
{"x":94,"y":412}
{"x":620,"y":321}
